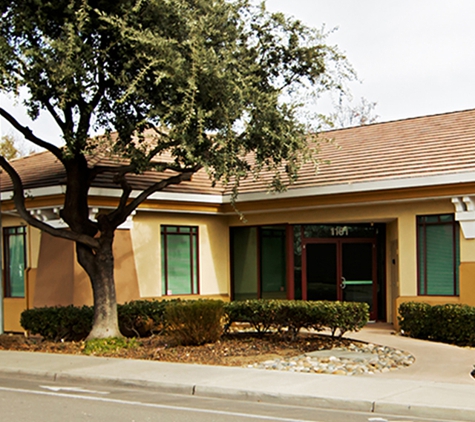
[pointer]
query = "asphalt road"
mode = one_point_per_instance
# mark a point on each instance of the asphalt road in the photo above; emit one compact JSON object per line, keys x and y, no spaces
{"x":23,"y":400}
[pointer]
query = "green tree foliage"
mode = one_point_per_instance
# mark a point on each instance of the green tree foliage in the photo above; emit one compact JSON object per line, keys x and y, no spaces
{"x":215,"y":83}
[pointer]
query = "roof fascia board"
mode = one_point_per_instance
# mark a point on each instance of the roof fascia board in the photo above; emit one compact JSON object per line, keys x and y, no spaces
{"x":36,"y":192}
{"x":161,"y":196}
{"x":411,"y":182}
{"x":337,"y":206}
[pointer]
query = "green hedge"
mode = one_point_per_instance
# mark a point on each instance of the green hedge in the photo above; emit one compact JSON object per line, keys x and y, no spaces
{"x":200,"y":321}
{"x":290,"y":316}
{"x":138,"y":318}
{"x":449,"y":323}
{"x":68,"y":323}
{"x":141,"y":318}
{"x":194,"y":322}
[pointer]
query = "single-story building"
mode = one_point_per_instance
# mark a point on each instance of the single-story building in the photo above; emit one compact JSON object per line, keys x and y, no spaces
{"x":389,"y":217}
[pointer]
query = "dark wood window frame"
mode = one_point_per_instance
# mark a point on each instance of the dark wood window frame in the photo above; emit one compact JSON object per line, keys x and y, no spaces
{"x":192,"y":232}
{"x":9,"y":232}
{"x":424,"y":221}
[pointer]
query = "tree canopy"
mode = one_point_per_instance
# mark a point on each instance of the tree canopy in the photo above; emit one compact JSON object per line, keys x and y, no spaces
{"x":216,"y":82}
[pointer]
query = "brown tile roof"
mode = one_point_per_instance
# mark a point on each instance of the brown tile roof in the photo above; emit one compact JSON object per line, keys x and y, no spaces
{"x":424,"y":146}
{"x":44,"y":170}
{"x":431,"y":145}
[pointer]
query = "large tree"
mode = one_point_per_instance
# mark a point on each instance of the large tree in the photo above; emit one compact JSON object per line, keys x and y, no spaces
{"x":216,"y":82}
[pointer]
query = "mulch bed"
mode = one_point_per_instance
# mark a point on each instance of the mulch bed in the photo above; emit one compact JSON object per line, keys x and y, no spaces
{"x":236,"y":349}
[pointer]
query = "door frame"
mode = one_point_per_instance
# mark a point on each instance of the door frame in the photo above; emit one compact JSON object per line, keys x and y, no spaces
{"x":339,"y":266}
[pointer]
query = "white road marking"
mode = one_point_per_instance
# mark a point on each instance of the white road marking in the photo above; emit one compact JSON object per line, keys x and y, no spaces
{"x":73,"y":389}
{"x":153,"y":405}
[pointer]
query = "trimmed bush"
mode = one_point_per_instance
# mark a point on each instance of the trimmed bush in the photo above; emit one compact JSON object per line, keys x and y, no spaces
{"x":141,"y":318}
{"x":68,"y":323}
{"x":345,"y":316}
{"x":414,"y":319}
{"x":293,"y":315}
{"x":260,"y":314}
{"x":449,"y":323}
{"x":288,"y":317}
{"x":194,"y":322}
{"x":197,"y":322}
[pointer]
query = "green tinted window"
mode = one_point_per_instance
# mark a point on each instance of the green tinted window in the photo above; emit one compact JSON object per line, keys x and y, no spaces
{"x":273,"y":268}
{"x":179,"y":260}
{"x":438,"y":255}
{"x":245,"y":263}
{"x":15,"y":261}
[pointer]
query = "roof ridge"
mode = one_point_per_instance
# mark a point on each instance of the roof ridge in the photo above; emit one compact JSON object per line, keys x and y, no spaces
{"x":400,"y":120}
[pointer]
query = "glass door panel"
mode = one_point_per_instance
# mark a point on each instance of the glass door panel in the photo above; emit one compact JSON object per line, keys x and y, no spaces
{"x":321,"y":270}
{"x":357,"y":273}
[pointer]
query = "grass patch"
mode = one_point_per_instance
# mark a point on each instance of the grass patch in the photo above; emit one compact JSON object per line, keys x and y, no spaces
{"x":109,"y":345}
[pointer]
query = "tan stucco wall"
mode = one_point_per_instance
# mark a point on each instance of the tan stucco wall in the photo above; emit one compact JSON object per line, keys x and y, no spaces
{"x":12,"y":309}
{"x":213,"y":251}
{"x":60,"y":280}
{"x":125,"y":273}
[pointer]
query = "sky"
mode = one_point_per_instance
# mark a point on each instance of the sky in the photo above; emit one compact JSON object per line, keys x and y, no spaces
{"x":412,"y":57}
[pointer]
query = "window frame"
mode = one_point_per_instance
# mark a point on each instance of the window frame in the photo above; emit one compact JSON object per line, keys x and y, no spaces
{"x":180,"y":230}
{"x":421,"y":230}
{"x":7,"y":233}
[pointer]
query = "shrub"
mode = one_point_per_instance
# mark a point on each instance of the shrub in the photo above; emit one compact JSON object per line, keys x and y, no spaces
{"x":293,"y":315}
{"x":414,"y":319}
{"x":141,"y":318}
{"x":344,"y":316}
{"x":106,"y":346}
{"x":194,"y":322}
{"x":260,"y":314}
{"x":68,"y":323}
{"x":288,"y":317}
{"x":449,"y":323}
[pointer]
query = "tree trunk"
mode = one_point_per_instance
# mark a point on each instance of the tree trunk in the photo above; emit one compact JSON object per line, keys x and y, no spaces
{"x":99,"y":265}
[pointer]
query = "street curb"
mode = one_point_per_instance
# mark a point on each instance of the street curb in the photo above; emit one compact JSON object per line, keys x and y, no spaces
{"x":377,"y":407}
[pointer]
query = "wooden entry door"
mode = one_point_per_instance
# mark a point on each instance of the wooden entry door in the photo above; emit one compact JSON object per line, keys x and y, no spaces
{"x":340,"y":269}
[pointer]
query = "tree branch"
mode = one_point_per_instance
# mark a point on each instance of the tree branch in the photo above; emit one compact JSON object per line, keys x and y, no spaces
{"x":19,"y":200}
{"x":126,"y":189}
{"x":117,"y":217}
{"x":28,"y":134}
{"x":55,"y":116}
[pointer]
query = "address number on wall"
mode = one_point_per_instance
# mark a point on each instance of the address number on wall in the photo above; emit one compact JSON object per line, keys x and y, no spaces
{"x":339,"y":231}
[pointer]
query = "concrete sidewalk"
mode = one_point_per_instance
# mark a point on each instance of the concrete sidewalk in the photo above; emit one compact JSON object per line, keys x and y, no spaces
{"x":437,"y":386}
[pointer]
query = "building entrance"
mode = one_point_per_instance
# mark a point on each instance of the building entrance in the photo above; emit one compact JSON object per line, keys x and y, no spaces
{"x":340,"y":269}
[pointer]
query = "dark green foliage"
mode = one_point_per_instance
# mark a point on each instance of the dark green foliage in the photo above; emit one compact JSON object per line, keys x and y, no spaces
{"x":137,"y":318}
{"x":344,"y":316}
{"x":217,"y":85}
{"x":141,"y":318}
{"x":194,"y":322}
{"x":68,"y":323}
{"x":290,"y":316}
{"x":449,"y":323}
{"x":414,"y":319}
{"x":260,"y":314}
